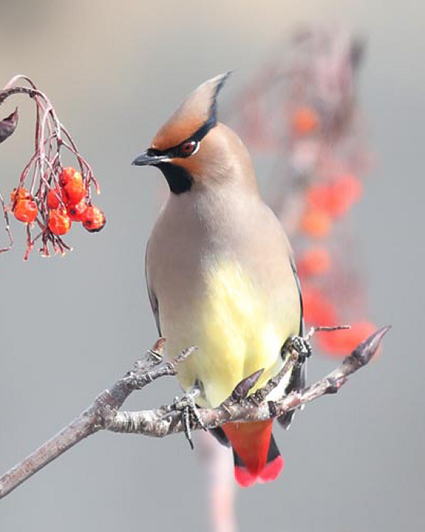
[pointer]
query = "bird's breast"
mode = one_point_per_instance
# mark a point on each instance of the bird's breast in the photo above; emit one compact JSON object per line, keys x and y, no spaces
{"x":219,"y":267}
{"x":238,"y":325}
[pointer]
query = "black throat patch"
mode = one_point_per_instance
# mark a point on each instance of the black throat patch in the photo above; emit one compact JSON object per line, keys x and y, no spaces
{"x":179,"y":180}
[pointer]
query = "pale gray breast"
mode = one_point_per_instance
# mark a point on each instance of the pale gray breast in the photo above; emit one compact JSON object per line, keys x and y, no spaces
{"x":193,"y":232}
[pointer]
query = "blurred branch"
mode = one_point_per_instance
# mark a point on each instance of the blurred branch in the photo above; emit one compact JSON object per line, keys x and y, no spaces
{"x":103,"y":412}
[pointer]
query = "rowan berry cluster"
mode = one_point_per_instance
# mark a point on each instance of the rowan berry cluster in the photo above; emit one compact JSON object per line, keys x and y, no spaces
{"x":49,"y":197}
{"x":325,"y":202}
{"x":66,"y":203}
{"x":318,"y":160}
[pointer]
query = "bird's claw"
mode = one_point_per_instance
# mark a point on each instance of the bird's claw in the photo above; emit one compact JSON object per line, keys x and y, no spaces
{"x":301,"y":345}
{"x":189,"y":412}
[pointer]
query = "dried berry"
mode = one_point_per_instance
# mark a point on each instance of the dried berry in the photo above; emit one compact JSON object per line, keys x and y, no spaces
{"x":67,"y":174}
{"x":93,"y":219}
{"x":55,"y":197}
{"x":75,"y":190}
{"x":59,"y":221}
{"x":19,"y":193}
{"x":25,"y":210}
{"x":76,"y":212}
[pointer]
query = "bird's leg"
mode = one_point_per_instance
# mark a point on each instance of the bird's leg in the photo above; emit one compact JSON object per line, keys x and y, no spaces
{"x":189,"y":411}
{"x":300,"y":344}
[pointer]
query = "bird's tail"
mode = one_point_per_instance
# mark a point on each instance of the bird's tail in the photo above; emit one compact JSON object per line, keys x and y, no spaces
{"x":256,"y":456}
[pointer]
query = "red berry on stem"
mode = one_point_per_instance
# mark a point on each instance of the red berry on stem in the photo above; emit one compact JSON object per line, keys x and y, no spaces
{"x":93,"y":219}
{"x":67,"y":174}
{"x":54,"y":198}
{"x":59,"y":221}
{"x":76,"y":212}
{"x":314,"y":261}
{"x":25,"y":210}
{"x":19,"y":193}
{"x":75,"y":190}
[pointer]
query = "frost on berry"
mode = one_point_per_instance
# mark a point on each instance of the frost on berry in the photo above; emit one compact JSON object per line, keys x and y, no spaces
{"x":49,"y":195}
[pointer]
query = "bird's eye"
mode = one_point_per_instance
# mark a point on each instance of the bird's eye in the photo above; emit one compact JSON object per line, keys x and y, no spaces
{"x":188,"y":148}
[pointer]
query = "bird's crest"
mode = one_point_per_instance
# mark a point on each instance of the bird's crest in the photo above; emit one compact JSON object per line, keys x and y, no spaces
{"x":195,"y":116}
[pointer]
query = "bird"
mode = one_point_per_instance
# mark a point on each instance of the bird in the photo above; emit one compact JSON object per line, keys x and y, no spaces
{"x":220,"y":273}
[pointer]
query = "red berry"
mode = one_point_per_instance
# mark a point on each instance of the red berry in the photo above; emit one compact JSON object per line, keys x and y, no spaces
{"x":93,"y":219}
{"x":314,"y":261}
{"x":59,"y":221}
{"x":25,"y":210}
{"x":67,"y":174}
{"x":318,"y":310}
{"x":350,"y":187}
{"x":76,"y":212}
{"x":305,"y":120}
{"x":54,"y":198}
{"x":315,"y":223}
{"x":335,"y":198}
{"x":19,"y":193}
{"x":75,"y":190}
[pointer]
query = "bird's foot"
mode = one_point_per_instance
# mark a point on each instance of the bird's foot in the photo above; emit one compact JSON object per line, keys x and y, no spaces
{"x":189,"y":412}
{"x":301,"y":345}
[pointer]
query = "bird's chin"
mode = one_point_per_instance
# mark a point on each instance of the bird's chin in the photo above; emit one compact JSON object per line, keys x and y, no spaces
{"x":179,"y":180}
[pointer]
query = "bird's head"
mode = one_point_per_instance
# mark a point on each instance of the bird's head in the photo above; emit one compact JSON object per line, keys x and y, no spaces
{"x":192,"y":148}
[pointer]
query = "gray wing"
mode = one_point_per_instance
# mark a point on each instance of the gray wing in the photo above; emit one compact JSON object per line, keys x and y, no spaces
{"x":152,"y":297}
{"x":297,"y":380}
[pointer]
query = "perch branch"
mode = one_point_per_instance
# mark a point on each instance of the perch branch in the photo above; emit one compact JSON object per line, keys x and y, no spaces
{"x":103,"y":412}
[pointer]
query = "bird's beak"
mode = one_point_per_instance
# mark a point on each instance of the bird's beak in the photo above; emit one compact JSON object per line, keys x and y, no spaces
{"x":149,"y":159}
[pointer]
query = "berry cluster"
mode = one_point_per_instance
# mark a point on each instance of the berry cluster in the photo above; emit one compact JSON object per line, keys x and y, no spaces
{"x":49,"y":197}
{"x":325,"y":203}
{"x":61,"y":205}
{"x":67,"y":203}
{"x":327,"y":197}
{"x":317,"y":156}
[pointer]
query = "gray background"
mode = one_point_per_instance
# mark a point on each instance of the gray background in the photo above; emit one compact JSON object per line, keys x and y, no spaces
{"x":69,"y":326}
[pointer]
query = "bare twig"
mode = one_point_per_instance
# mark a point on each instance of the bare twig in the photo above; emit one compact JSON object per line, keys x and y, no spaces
{"x":104,"y":414}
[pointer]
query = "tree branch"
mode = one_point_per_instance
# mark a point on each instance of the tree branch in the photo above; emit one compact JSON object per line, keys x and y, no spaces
{"x":103,"y":412}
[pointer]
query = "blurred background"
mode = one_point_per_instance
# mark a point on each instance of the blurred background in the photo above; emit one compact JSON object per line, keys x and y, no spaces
{"x":70,"y":326}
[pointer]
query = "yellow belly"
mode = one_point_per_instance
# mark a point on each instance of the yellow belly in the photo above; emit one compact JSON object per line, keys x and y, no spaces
{"x":238,"y":329}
